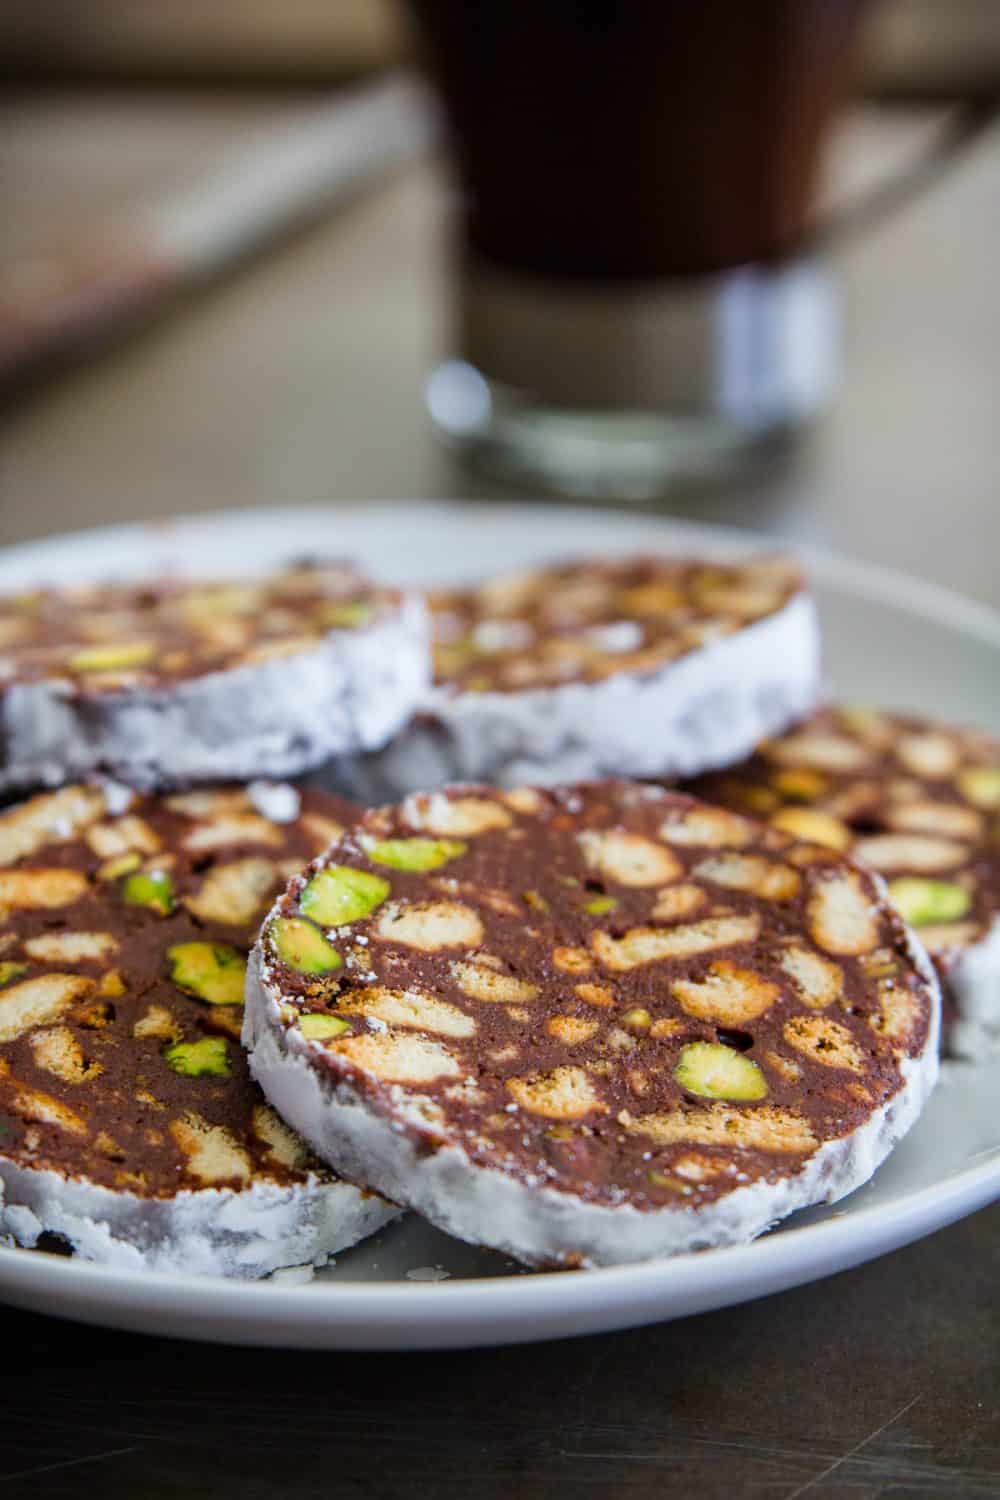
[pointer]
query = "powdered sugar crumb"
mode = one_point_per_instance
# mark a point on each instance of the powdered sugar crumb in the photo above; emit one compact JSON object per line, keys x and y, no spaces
{"x":428,"y":1273}
{"x":117,"y":796}
{"x":277,"y":800}
{"x":294,"y":1275}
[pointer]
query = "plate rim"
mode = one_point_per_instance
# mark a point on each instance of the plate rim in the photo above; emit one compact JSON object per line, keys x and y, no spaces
{"x":876,"y":581}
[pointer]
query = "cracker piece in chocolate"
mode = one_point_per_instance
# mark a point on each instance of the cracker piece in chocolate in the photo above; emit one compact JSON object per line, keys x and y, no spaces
{"x":918,"y":801}
{"x":601,"y":668}
{"x":592,"y":1024}
{"x":129,"y":1123}
{"x":168,"y":682}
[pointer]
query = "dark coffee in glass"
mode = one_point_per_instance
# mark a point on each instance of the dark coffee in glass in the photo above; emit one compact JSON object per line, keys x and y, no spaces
{"x":637,"y":186}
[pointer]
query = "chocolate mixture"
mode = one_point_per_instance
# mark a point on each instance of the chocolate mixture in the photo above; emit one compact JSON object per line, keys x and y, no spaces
{"x":609,"y":989}
{"x":101,"y":638}
{"x":581,"y":622}
{"x":124,"y":927}
{"x":918,"y":801}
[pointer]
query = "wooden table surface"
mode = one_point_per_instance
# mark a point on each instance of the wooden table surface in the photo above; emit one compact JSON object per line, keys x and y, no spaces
{"x":300,"y":379}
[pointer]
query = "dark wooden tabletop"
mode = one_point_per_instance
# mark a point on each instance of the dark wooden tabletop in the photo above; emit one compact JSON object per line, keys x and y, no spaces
{"x":883,"y":1381}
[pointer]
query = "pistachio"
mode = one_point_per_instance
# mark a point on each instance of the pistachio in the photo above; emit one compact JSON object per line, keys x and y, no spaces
{"x":207,"y":1058}
{"x":664,"y":1182}
{"x":341,"y":894}
{"x":637,"y":1019}
{"x":600,"y":906}
{"x":302,"y":946}
{"x":212,"y":971}
{"x":9,"y":971}
{"x":112,"y":658}
{"x":980,"y":785}
{"x":920,"y":901}
{"x":351,"y":615}
{"x":317,"y":1025}
{"x":152,"y":888}
{"x":713,"y":1071}
{"x":413,"y":854}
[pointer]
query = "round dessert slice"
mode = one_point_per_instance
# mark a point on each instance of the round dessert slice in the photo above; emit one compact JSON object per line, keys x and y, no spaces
{"x":917,"y":800}
{"x":129,"y":1123}
{"x":637,"y":667}
{"x":164,"y":683}
{"x":594,"y":1024}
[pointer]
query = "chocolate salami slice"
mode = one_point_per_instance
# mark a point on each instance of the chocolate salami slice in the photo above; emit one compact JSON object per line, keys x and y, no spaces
{"x":594,"y":1024}
{"x":129,"y":1124}
{"x":164,"y":683}
{"x":917,"y":800}
{"x":606,"y":668}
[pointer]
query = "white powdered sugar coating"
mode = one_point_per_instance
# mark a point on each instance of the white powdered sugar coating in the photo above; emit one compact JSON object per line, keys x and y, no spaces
{"x":207,"y":1231}
{"x":528,"y":1218}
{"x":276,"y":800}
{"x":117,"y":798}
{"x":974,"y":983}
{"x":276,"y":718}
{"x":707,"y":709}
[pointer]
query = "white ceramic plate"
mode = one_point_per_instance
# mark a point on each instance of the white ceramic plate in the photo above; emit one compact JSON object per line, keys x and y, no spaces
{"x":889,"y":639}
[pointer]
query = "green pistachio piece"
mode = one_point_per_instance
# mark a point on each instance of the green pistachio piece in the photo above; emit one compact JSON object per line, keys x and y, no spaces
{"x":716,"y":1072}
{"x":114,"y":658}
{"x":317,"y":1025}
{"x":207,"y":1058}
{"x":341,"y":894}
{"x":9,"y":971}
{"x":920,"y":900}
{"x":152,"y":888}
{"x":302,"y":946}
{"x":980,"y":785}
{"x":637,"y":1019}
{"x":413,"y":854}
{"x":24,"y":604}
{"x":212,"y":971}
{"x":600,"y":906}
{"x":664,"y":1181}
{"x":347,"y":616}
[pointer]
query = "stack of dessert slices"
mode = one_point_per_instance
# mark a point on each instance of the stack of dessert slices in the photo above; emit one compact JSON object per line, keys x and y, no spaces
{"x":545,"y":992}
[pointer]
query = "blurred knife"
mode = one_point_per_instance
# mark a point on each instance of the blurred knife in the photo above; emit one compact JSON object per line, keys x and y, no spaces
{"x":78,"y":298}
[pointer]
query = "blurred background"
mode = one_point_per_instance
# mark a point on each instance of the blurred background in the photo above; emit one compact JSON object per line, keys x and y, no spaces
{"x":227,"y":268}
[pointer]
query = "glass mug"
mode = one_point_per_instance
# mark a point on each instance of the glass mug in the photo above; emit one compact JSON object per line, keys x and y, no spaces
{"x":635,"y":297}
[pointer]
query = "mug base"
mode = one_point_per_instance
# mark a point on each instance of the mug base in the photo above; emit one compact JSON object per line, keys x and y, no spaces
{"x":627,"y":392}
